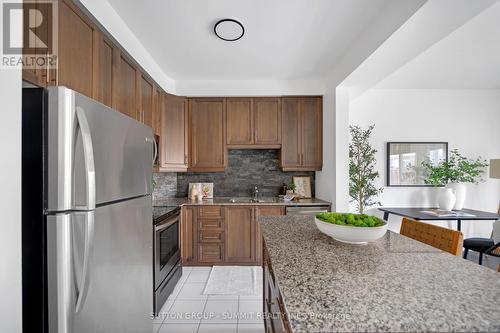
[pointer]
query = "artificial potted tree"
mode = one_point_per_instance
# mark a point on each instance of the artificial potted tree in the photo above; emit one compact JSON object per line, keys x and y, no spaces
{"x":454,"y":173}
{"x":362,"y":174}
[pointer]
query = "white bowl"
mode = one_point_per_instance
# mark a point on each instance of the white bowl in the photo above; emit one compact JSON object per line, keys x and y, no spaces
{"x":350,"y":234}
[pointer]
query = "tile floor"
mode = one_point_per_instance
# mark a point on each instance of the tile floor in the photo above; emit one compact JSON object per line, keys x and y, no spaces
{"x":188,"y":310}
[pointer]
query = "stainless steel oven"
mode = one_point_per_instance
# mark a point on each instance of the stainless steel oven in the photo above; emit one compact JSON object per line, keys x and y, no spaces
{"x":167,"y":263}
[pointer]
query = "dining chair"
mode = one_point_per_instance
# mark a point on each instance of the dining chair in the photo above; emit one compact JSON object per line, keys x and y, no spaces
{"x":444,"y":239}
{"x":481,"y":245}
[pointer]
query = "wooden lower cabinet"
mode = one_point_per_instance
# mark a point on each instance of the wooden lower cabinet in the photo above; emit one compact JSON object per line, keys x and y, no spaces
{"x":188,"y":230}
{"x":223,"y":235}
{"x":275,"y":316}
{"x":210,"y":253}
{"x":270,"y":210}
{"x":240,"y":233}
{"x":264,"y":211}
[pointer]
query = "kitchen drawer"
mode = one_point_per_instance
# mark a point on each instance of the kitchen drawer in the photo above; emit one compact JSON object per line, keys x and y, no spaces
{"x":209,"y":236}
{"x":211,"y":212}
{"x":210,"y":252}
{"x":210,"y":224}
{"x":270,"y":210}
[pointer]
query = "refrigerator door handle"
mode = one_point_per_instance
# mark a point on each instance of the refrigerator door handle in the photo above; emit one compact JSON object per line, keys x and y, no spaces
{"x":87,"y":254}
{"x":88,"y":152}
{"x":155,"y":149}
{"x":60,"y":280}
{"x":155,"y":146}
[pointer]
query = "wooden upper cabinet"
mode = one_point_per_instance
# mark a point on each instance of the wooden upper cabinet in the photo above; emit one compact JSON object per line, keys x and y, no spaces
{"x":207,"y":133}
{"x":126,"y":93}
{"x":77,"y":52}
{"x":239,"y":121}
{"x":253,"y":122}
{"x":173,"y":134}
{"x":302,"y":126}
{"x":37,"y":74}
{"x":106,"y":71}
{"x":312,"y":132}
{"x":291,"y":141}
{"x":158,"y":96}
{"x":240,"y":233}
{"x":147,"y":102}
{"x":30,"y":74}
{"x":267,"y":120}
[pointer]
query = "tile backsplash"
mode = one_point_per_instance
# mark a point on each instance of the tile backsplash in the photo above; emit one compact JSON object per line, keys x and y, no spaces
{"x":246,"y":168}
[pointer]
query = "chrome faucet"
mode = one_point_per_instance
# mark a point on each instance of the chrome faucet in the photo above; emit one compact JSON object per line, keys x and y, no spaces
{"x":255,"y":193}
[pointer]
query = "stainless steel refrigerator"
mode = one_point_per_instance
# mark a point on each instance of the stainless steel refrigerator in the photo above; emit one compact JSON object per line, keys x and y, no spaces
{"x":87,"y":239}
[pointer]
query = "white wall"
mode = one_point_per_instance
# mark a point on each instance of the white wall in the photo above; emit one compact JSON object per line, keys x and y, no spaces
{"x":249,"y":87}
{"x":114,"y":24}
{"x":468,"y":120}
{"x":10,"y":201}
{"x":332,"y":182}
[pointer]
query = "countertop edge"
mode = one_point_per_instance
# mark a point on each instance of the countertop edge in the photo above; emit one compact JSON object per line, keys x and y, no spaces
{"x":225,"y":202}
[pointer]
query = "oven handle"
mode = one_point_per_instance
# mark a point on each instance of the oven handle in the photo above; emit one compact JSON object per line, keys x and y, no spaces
{"x":166,"y":224}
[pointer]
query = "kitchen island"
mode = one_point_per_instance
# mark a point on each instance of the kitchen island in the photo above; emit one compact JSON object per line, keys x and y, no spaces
{"x":396,"y":284}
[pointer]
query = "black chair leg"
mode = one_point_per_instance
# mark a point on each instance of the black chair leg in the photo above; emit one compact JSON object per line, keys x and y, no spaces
{"x":480,"y":258}
{"x":465,"y":253}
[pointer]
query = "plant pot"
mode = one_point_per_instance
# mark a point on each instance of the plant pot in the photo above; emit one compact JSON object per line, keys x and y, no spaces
{"x":460,"y":192}
{"x":350,"y":234}
{"x":446,"y":199}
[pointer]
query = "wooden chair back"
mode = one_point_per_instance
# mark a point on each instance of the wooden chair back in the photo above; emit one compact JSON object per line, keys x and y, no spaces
{"x":442,"y":238}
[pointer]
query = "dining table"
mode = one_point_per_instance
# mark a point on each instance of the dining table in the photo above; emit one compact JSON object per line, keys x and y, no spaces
{"x":419,"y":214}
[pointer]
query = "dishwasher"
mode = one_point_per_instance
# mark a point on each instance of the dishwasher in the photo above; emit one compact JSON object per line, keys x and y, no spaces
{"x":306,"y":210}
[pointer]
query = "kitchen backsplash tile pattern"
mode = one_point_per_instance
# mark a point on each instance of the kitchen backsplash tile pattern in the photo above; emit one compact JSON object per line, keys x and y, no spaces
{"x":246,"y":168}
{"x":165,"y":185}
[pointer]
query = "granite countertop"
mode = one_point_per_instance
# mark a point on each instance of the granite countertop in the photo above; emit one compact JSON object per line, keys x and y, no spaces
{"x":395,"y":284}
{"x":271,"y":201}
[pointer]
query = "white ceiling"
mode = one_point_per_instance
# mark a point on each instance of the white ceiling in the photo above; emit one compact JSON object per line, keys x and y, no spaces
{"x":284,"y":39}
{"x":469,"y":58}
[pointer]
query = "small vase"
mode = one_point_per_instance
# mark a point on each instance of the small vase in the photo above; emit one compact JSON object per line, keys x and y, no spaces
{"x":446,"y":199}
{"x":460,"y":192}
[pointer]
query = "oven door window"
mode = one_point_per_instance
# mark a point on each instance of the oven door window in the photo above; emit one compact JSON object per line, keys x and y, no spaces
{"x":169,"y":243}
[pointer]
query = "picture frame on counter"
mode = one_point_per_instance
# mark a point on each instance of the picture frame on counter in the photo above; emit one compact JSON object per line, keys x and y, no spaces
{"x":302,"y":186}
{"x":206,"y":189}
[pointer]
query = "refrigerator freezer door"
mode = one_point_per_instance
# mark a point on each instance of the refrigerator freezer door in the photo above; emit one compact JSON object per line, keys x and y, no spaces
{"x":119,"y":156}
{"x":118,"y":294}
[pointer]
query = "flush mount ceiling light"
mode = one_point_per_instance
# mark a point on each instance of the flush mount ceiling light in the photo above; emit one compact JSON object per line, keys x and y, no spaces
{"x":229,"y":30}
